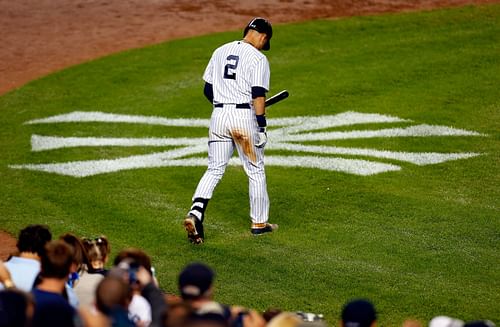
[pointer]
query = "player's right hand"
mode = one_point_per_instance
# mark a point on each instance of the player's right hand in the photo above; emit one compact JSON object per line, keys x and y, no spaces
{"x":261,"y":137}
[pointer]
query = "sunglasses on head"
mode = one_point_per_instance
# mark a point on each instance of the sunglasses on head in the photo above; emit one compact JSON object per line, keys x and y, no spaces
{"x":97,"y":240}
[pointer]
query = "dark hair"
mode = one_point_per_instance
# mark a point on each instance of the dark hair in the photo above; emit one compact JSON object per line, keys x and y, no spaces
{"x":33,"y":238}
{"x":80,"y":254}
{"x":112,"y":292}
{"x":57,"y":260}
{"x":138,"y":256}
{"x":97,"y":249}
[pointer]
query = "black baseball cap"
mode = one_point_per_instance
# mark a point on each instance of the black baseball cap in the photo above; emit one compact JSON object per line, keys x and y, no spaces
{"x":195,"y":279}
{"x":261,"y":25}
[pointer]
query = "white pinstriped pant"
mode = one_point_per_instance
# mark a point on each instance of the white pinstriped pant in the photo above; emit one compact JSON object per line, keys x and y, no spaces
{"x":232,"y":127}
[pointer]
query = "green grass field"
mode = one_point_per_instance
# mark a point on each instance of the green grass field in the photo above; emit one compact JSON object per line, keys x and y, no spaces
{"x":419,"y":242}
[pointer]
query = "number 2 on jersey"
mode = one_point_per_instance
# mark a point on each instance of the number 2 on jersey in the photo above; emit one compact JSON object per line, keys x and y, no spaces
{"x":229,"y":69}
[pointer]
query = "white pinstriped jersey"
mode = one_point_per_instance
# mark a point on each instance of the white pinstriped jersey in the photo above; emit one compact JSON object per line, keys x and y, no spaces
{"x":234,"y":69}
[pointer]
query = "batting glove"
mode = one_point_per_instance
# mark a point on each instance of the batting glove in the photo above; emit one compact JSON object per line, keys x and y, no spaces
{"x":261,"y":137}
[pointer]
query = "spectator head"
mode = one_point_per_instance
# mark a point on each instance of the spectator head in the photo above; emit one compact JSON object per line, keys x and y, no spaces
{"x":80,"y":259}
{"x":195,"y":281}
{"x":16,"y":308}
{"x":137,"y":256}
{"x":445,"y":321}
{"x":111,"y":293}
{"x":57,"y":260}
{"x":359,"y":313}
{"x":98,"y":250}
{"x":33,"y":239}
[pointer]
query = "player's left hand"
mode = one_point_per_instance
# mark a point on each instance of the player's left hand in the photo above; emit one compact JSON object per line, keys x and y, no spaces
{"x":261,"y":137}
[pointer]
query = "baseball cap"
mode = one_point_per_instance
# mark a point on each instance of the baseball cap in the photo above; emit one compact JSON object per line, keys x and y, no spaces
{"x":194,"y":280}
{"x":445,"y":321}
{"x":261,"y":25}
{"x":358,"y":313}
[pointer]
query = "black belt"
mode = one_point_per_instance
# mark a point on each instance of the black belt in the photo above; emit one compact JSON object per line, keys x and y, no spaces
{"x":239,"y":105}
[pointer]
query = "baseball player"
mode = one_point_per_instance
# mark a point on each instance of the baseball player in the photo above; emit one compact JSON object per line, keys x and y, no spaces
{"x":236,"y":81}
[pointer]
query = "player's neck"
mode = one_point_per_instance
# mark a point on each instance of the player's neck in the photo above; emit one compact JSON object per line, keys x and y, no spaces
{"x":249,"y":41}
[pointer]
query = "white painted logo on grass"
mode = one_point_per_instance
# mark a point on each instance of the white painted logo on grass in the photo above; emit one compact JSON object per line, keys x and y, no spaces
{"x":286,"y":135}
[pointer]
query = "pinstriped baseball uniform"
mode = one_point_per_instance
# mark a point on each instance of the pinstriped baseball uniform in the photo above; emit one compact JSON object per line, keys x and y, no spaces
{"x":233,"y":70}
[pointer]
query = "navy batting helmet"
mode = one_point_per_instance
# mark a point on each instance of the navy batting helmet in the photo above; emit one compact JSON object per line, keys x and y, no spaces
{"x":261,"y":25}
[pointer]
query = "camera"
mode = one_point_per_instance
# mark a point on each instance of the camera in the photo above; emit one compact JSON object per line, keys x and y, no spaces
{"x":130,"y":267}
{"x":132,"y":273}
{"x":238,"y":321}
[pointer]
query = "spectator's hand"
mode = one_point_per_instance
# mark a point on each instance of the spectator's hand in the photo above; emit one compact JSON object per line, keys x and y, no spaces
{"x":143,"y":276}
{"x":5,"y":277}
{"x":4,"y":273}
{"x":237,"y":309}
{"x":253,"y":319}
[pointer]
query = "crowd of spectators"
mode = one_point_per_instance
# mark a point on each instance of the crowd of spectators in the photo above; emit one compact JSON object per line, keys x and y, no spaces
{"x":65,"y":282}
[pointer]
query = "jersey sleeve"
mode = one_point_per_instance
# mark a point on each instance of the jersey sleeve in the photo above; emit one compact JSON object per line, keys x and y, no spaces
{"x":261,"y":73}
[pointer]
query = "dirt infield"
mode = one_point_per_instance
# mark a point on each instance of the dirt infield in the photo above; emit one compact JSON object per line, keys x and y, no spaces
{"x":43,"y":36}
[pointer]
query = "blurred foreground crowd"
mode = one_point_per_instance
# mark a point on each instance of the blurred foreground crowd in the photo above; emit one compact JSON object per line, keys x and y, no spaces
{"x":65,"y":282}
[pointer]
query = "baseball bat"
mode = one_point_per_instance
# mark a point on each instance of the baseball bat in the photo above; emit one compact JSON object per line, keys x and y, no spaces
{"x":277,"y":98}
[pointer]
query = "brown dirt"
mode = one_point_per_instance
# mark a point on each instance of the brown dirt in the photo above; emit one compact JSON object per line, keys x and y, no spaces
{"x":243,"y":141}
{"x":7,"y":245}
{"x":43,"y":36}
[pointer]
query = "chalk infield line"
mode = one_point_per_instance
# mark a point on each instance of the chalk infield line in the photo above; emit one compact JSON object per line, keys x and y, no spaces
{"x":287,"y":136}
